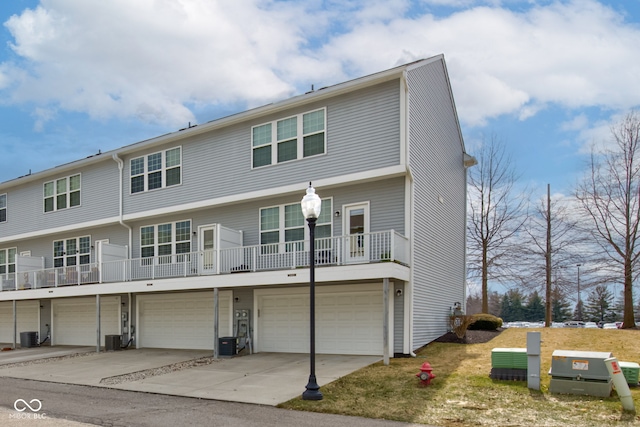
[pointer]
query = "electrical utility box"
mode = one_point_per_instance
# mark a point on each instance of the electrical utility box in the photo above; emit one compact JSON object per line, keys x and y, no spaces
{"x":580,"y":372}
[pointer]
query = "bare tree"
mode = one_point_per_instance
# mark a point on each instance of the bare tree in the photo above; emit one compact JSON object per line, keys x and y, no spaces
{"x":610,"y":197}
{"x":551,"y":245}
{"x":495,"y":215}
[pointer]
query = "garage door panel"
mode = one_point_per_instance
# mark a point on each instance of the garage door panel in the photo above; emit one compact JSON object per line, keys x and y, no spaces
{"x":181,"y":320}
{"x":346,"y":322}
{"x":74,"y":320}
{"x":27,"y":319}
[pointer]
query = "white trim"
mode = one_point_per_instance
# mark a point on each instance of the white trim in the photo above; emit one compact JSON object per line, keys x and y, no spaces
{"x":287,"y":278}
{"x":366,"y":229}
{"x":333,"y":182}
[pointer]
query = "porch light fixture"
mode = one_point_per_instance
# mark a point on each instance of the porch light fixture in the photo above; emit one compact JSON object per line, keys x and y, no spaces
{"x":311,"y":205}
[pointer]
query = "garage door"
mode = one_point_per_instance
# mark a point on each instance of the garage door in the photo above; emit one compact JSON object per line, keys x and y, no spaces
{"x":348,"y":321}
{"x":27,"y":317}
{"x":74,"y":320}
{"x":181,"y":320}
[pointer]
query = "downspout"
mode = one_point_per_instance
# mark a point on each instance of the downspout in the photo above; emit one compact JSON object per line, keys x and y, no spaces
{"x":120,"y":163}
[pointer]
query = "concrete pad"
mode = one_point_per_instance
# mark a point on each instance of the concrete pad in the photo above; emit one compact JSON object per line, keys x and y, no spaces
{"x":37,"y":353}
{"x":261,"y":378}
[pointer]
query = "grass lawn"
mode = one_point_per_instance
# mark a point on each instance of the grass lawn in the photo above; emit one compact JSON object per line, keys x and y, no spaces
{"x":462,"y":394}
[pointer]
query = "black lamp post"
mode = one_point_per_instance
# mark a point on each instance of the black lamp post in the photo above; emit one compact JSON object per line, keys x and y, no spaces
{"x":311,"y":205}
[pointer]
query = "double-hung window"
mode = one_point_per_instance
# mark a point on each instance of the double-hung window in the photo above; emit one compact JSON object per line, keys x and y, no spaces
{"x":3,"y":208}
{"x":7,"y":262}
{"x":292,"y":138}
{"x":283,"y":228}
{"x":71,"y":252}
{"x":62,"y":193}
{"x":165,"y":241}
{"x":157,"y":170}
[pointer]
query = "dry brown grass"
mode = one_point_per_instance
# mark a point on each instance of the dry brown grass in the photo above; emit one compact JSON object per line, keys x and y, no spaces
{"x":463,"y":394}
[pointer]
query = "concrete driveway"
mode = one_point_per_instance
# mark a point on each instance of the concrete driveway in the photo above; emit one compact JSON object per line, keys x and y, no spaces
{"x":262,"y":378}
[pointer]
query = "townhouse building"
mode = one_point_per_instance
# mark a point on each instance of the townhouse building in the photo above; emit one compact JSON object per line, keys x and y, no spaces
{"x":179,"y":240}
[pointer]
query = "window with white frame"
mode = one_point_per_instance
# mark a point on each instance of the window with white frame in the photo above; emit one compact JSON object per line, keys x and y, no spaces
{"x":3,"y":207}
{"x":281,"y":226}
{"x":165,"y":240}
{"x":156,"y":170}
{"x":70,"y":252}
{"x":7,"y":261}
{"x":62,"y":193}
{"x":288,"y":139}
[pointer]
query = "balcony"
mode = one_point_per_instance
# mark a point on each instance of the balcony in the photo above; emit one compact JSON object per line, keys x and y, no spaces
{"x":386,"y":246}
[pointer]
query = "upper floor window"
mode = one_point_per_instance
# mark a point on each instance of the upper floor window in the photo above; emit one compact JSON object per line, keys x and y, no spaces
{"x":3,"y":207}
{"x":8,"y":260}
{"x":292,"y":138}
{"x":62,"y":193}
{"x":165,"y":240}
{"x":70,"y":252}
{"x":157,"y":170}
{"x":282,"y":225}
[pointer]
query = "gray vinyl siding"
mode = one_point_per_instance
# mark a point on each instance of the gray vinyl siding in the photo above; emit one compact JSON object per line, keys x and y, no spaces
{"x":98,"y":199}
{"x":363,"y":133}
{"x":398,"y":318}
{"x":386,"y":199}
{"x":43,"y":246}
{"x":436,"y":163}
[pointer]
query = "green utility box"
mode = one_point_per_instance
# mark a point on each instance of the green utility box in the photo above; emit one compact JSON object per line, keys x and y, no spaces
{"x":509,"y":364}
{"x":512,"y":358}
{"x":580,"y":372}
{"x":630,"y":371}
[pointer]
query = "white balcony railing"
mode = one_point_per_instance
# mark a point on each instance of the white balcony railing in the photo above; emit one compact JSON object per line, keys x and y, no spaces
{"x":387,"y":246}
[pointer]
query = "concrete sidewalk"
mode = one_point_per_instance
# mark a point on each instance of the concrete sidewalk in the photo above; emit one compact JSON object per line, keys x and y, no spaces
{"x":262,"y":378}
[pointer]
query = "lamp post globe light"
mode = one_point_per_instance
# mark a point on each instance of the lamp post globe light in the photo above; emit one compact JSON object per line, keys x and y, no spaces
{"x":311,"y":205}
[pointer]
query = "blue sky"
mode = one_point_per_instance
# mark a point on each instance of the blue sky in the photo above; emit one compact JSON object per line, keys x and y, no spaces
{"x":77,"y":76}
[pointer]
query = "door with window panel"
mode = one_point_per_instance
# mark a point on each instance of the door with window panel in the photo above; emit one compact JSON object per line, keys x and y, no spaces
{"x":7,"y":268}
{"x":357,"y":226}
{"x":71,"y":259}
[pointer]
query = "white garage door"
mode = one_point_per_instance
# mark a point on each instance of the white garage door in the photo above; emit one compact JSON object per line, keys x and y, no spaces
{"x":181,"y":320}
{"x":74,"y":320}
{"x":348,"y":321}
{"x":27,"y":318}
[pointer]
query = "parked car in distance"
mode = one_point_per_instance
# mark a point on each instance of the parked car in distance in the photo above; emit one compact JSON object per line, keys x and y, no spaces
{"x":557,"y":325}
{"x":591,"y":325}
{"x":574,"y":324}
{"x":609,"y":326}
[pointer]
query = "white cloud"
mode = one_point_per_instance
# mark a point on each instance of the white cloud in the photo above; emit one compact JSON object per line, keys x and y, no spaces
{"x":151,"y":59}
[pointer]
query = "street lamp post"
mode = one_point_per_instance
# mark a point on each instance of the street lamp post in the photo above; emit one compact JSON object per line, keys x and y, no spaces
{"x":311,"y":205}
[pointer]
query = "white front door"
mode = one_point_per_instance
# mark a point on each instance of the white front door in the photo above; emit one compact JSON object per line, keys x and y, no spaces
{"x":357,"y":228}
{"x":208,"y":248}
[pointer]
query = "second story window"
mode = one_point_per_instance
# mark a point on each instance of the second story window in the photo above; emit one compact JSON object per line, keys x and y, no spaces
{"x":8,"y":261}
{"x":157,"y":170}
{"x":3,"y":207}
{"x":62,"y":193}
{"x":292,"y":138}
